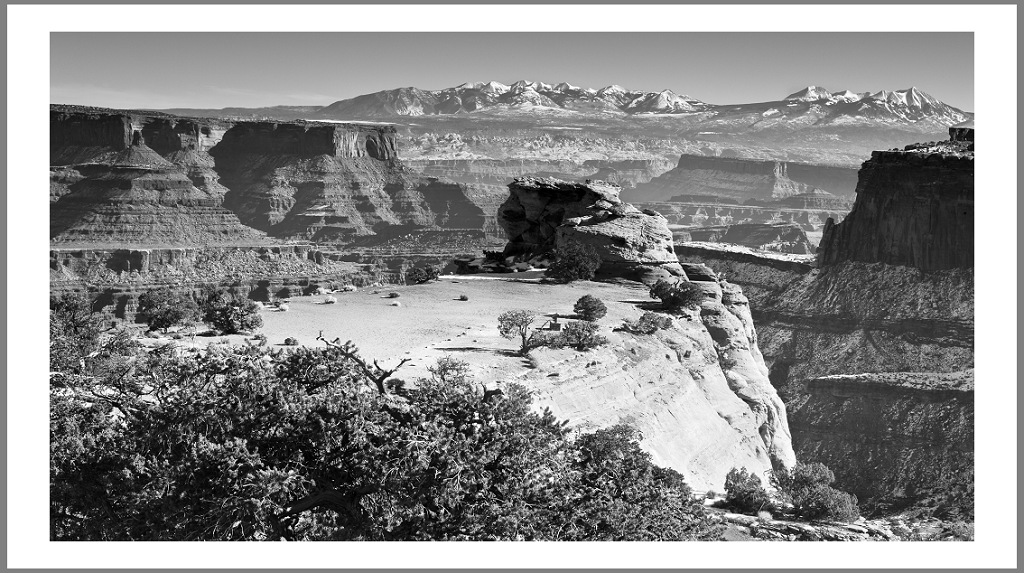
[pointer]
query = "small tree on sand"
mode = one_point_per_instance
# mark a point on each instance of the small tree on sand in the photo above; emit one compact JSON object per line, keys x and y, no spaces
{"x":590,"y":308}
{"x":516,"y":323}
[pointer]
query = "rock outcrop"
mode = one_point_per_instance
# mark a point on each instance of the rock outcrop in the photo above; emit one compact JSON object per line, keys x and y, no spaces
{"x":743,"y":179}
{"x":108,"y":187}
{"x":332,"y":183}
{"x":540,"y":215}
{"x":698,"y":391}
{"x":894,"y":297}
{"x":914,"y":207}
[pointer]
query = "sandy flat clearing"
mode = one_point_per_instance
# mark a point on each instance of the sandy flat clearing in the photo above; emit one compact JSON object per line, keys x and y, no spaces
{"x":431,"y":322}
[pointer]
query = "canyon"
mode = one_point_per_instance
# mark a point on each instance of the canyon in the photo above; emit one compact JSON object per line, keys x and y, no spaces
{"x":862,"y":357}
{"x":871,"y":346}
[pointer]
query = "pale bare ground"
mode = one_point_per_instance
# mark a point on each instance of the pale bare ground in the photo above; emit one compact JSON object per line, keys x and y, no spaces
{"x":431,"y":322}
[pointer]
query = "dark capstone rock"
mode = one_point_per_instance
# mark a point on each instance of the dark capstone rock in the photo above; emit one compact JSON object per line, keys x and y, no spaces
{"x":913,"y":208}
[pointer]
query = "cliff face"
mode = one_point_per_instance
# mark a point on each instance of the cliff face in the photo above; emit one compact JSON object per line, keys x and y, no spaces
{"x":107,"y":186}
{"x":698,"y":391}
{"x":902,"y":439}
{"x":893,"y":297}
{"x":780,"y":238}
{"x":705,"y":214}
{"x":913,"y":208}
{"x":740,"y":179}
{"x":332,"y":183}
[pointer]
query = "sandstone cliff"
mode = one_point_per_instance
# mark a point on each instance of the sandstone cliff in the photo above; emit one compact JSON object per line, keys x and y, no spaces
{"x":894,"y":294}
{"x":914,"y":207}
{"x":540,"y":215}
{"x":698,"y":391}
{"x":332,"y":183}
{"x":108,"y":187}
{"x":743,"y":179}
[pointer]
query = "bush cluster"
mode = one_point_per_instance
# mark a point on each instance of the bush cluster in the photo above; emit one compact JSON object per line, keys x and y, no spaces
{"x":808,"y":487}
{"x":678,"y":294}
{"x":745,"y":493}
{"x":420,"y":275}
{"x":648,"y":323}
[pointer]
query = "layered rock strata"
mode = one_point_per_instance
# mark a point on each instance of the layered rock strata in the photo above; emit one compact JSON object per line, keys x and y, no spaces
{"x":332,"y":183}
{"x":894,"y":297}
{"x":743,"y":179}
{"x":780,"y":238}
{"x":542,"y":215}
{"x":108,"y":187}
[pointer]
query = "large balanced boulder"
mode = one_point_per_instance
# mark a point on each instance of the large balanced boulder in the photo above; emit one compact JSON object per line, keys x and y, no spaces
{"x":542,"y":215}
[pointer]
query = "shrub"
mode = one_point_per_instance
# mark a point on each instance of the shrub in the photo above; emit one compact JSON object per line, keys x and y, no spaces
{"x":590,"y":308}
{"x":463,"y":297}
{"x":163,"y":309}
{"x":710,"y":494}
{"x":516,"y":323}
{"x":648,"y":323}
{"x":677,"y":295}
{"x":744,"y":492}
{"x":420,"y":275}
{"x":581,"y":336}
{"x":231,"y":314}
{"x":809,"y":488}
{"x":449,"y":370}
{"x":291,"y":341}
{"x":574,"y":262}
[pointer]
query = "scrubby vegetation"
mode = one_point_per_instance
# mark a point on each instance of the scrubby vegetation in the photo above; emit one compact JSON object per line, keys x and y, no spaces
{"x":590,"y":308}
{"x":745,"y":493}
{"x":805,"y":491}
{"x":581,"y":336}
{"x":574,"y":262}
{"x":420,"y":275}
{"x":162,"y":309}
{"x":250,"y":443}
{"x":677,"y":295}
{"x":808,"y":488}
{"x":648,"y":323}
{"x":232,"y":314}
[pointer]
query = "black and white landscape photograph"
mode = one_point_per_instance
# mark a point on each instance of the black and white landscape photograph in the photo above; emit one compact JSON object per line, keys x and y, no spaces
{"x":459,"y":286}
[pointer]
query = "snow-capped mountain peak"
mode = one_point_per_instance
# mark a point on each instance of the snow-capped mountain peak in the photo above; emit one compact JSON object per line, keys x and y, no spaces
{"x":810,"y":93}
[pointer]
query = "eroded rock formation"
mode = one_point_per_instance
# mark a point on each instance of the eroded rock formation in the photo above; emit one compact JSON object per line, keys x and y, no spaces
{"x":540,"y":215}
{"x":107,"y":186}
{"x":743,"y":179}
{"x":698,"y":391}
{"x":332,"y":182}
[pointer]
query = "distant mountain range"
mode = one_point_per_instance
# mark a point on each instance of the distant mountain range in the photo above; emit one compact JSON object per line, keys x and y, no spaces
{"x":813,"y":103}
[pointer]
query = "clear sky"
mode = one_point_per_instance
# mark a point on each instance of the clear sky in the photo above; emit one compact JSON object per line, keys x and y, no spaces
{"x":214,"y":70}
